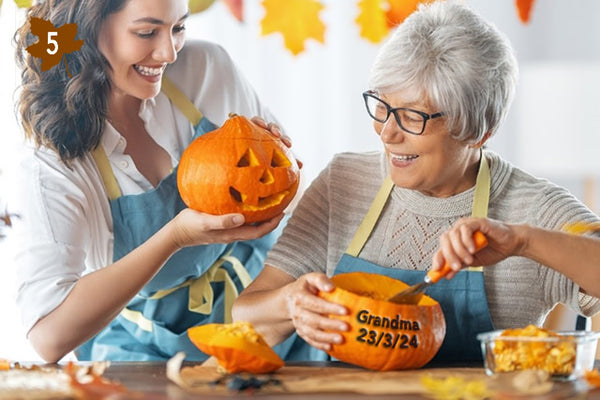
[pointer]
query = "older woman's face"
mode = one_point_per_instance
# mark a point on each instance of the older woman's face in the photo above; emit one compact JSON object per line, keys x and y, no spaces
{"x":433,"y":163}
{"x":140,"y":40}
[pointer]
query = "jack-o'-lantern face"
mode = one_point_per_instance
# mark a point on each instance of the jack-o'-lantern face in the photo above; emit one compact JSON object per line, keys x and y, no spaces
{"x":238,"y":168}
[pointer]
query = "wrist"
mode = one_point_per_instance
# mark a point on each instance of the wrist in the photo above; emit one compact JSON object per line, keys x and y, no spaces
{"x":172,"y":236}
{"x":523,"y":235}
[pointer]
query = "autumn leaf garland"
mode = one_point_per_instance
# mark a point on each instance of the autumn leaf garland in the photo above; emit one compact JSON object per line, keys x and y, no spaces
{"x":299,"y":20}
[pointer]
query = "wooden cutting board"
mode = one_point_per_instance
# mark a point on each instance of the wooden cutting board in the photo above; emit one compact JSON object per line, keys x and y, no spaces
{"x":298,"y":379}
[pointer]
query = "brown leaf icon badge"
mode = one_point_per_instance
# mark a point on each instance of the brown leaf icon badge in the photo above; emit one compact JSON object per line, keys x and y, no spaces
{"x":54,"y":42}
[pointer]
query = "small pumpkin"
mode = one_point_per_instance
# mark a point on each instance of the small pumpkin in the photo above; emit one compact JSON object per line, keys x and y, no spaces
{"x":236,"y":346}
{"x":238,"y":168}
{"x":383,"y":335}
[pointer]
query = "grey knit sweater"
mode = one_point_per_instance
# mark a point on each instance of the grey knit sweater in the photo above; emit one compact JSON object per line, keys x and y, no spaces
{"x":519,"y":291}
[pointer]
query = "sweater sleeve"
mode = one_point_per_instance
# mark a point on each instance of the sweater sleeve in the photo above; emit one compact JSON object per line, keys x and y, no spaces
{"x":560,"y":207}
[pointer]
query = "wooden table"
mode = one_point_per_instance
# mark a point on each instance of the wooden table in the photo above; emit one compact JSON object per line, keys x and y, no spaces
{"x":148,"y":380}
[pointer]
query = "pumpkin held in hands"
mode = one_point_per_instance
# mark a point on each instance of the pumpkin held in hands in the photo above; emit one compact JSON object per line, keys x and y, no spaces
{"x":236,"y":346}
{"x":383,"y":335}
{"x":238,"y":168}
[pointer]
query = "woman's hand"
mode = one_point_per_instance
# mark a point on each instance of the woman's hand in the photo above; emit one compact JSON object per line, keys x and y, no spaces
{"x":275,"y":131}
{"x":458,"y":248}
{"x":192,"y":228}
{"x":309,"y":312}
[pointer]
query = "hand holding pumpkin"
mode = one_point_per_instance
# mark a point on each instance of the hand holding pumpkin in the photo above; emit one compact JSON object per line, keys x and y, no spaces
{"x":192,"y":228}
{"x":275,"y":130}
{"x":308,"y":311}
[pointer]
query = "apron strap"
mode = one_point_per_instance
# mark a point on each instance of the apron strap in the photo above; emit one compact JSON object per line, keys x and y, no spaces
{"x":180,"y":101}
{"x":481,"y":198}
{"x":366,"y":226}
{"x":108,"y":177}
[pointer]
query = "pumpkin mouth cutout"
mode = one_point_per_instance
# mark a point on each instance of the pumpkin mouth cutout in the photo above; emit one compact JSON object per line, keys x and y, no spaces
{"x":261,"y":203}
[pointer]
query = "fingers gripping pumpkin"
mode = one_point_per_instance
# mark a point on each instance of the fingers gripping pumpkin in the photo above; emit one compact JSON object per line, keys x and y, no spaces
{"x":236,"y":346}
{"x":383,"y":335}
{"x":238,"y":168}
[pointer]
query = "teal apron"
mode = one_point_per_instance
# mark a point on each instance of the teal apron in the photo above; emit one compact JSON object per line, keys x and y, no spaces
{"x":463,"y":298}
{"x":196,"y":286}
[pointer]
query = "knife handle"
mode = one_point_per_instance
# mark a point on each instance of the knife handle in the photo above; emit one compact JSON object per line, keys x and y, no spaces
{"x":434,"y":276}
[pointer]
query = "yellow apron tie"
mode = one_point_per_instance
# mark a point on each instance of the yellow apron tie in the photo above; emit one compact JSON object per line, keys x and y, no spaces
{"x":201,"y":294}
{"x":481,"y":199}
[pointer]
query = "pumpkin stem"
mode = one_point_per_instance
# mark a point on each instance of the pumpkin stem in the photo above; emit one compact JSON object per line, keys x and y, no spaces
{"x":232,"y":114}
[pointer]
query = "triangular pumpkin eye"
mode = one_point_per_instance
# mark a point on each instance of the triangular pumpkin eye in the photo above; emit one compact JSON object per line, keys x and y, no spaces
{"x":278,"y":159}
{"x":249,"y":159}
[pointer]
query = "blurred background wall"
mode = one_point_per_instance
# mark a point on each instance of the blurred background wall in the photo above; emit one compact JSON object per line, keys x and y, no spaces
{"x":553,"y":128}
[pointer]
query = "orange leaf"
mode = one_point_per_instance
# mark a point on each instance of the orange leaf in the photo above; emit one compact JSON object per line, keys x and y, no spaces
{"x":593,"y":377}
{"x":524,"y":8}
{"x":236,"y":7}
{"x":399,"y":10}
{"x":372,"y":20}
{"x":296,"y":20}
{"x":54,"y":42}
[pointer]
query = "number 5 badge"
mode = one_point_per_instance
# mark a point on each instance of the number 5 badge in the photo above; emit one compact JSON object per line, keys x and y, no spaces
{"x":53,"y":42}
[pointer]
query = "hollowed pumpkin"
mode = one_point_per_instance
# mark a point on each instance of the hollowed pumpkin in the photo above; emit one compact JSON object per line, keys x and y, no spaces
{"x":236,"y":346}
{"x":238,"y":168}
{"x":383,"y":335}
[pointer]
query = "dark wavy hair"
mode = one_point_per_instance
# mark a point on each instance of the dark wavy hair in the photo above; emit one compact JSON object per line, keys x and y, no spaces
{"x":62,"y":112}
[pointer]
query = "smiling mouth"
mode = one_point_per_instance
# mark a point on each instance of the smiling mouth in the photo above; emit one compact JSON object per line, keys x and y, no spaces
{"x":147,"y":71}
{"x":261,"y":202}
{"x":403,"y":158}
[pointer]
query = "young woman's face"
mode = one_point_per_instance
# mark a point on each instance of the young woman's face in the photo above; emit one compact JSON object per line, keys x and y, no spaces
{"x":139,"y":41}
{"x":434,"y":163}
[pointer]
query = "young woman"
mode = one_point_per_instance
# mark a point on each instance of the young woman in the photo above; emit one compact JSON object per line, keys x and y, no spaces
{"x":110,"y":262}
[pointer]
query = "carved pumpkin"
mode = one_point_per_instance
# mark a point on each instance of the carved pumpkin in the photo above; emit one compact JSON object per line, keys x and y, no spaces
{"x":383,"y":335}
{"x":238,"y":168}
{"x":236,"y":346}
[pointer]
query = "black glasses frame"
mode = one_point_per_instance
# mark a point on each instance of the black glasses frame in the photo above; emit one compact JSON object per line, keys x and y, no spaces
{"x":390,"y":110}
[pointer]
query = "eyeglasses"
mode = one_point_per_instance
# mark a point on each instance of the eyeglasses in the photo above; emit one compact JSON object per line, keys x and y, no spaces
{"x":411,"y":121}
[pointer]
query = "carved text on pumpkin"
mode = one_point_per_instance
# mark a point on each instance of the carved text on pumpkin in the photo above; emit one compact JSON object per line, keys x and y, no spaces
{"x":364,"y":317}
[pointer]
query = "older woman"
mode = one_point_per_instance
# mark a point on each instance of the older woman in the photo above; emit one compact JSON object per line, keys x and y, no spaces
{"x":440,"y":87}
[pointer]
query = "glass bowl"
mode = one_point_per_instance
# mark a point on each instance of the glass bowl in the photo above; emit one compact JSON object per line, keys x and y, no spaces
{"x":565,"y":356}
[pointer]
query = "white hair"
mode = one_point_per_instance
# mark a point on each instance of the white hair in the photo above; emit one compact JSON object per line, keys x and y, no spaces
{"x":460,"y":62}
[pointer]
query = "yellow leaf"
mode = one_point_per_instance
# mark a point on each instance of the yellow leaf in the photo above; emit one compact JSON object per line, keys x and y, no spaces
{"x":399,"y":10}
{"x":372,"y":20}
{"x":296,"y":20}
{"x":24,"y":3}
{"x":197,"y":6}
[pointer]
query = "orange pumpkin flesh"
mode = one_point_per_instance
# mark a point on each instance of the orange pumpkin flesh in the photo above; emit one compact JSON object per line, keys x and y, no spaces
{"x":383,"y":335}
{"x":236,"y":346}
{"x":238,"y":168}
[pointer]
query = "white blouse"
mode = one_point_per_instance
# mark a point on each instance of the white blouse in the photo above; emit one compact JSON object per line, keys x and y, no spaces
{"x":65,"y":229}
